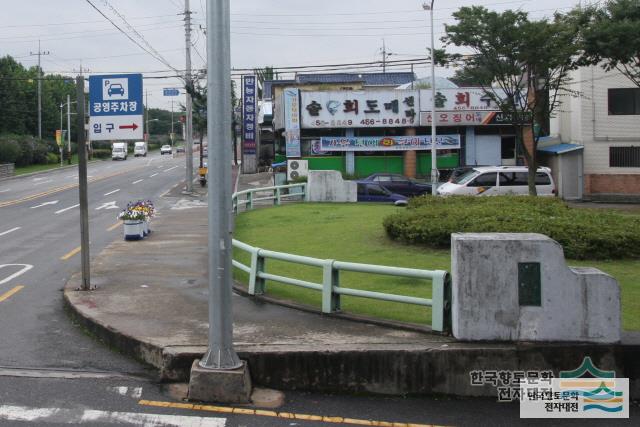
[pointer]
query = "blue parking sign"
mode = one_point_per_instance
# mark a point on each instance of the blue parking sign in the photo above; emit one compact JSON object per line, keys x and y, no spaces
{"x":115,"y":107}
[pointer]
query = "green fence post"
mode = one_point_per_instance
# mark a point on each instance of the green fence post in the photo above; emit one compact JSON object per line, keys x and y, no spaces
{"x":249,"y":204}
{"x":235,"y":205}
{"x":276,"y":201}
{"x":256,"y":284}
{"x":330,"y":278}
{"x":437,"y":298}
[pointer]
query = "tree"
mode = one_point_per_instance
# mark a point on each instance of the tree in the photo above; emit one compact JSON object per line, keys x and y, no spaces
{"x":611,"y":36}
{"x":522,"y":65}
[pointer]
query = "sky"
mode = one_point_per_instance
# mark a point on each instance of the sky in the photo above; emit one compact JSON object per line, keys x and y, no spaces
{"x":279,"y":33}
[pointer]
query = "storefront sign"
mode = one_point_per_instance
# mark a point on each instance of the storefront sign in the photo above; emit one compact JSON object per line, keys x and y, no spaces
{"x":292,"y":122}
{"x":459,"y":99}
{"x":360,"y":109}
{"x":388,"y":143}
{"x":466,"y":118}
{"x":249,"y":114}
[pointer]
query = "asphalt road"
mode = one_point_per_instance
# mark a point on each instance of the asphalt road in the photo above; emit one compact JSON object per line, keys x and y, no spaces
{"x":53,"y":374}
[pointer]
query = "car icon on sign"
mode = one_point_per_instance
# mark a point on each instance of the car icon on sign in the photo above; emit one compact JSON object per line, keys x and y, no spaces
{"x":115,"y":89}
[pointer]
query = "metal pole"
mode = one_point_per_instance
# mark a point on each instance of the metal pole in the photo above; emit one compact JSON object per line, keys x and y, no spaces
{"x":82,"y":179}
{"x":434,"y":167}
{"x":220,"y":354}
{"x":69,"y":127}
{"x":189,"y":141}
{"x":39,"y":94}
{"x":61,"y":147}
{"x":146,"y":114}
{"x":171,"y":126}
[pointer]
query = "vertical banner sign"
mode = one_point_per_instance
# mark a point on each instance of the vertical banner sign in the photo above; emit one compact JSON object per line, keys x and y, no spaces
{"x":115,"y":107}
{"x":59,"y":137}
{"x":249,"y":114}
{"x":292,"y":122}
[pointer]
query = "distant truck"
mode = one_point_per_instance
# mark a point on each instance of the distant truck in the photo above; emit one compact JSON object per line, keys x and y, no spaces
{"x":119,"y":151}
{"x":140,"y":149}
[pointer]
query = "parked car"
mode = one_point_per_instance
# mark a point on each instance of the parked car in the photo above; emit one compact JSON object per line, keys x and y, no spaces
{"x":165,"y":149}
{"x":399,"y":184}
{"x":498,"y":180}
{"x":373,"y":192}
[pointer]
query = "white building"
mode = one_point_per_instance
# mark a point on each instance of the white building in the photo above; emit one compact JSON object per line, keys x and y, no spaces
{"x":604,"y":117}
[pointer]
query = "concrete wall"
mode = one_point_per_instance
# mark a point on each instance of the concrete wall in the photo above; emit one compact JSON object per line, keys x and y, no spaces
{"x":577,"y":304}
{"x":6,"y":170}
{"x":328,"y":186}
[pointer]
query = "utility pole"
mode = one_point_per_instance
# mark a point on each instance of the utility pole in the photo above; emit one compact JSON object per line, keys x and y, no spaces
{"x":220,"y":353}
{"x":189,"y":106}
{"x":82,"y":180}
{"x":40,"y":53}
{"x":69,"y":126}
{"x":171,"y":126}
{"x":434,"y":164}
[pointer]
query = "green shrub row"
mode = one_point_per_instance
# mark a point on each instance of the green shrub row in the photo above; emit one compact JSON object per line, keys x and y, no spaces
{"x":26,"y":150}
{"x":583,"y":233}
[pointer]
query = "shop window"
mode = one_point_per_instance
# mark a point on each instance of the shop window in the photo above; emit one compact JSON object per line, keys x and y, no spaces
{"x":624,"y":157}
{"x":624,"y":101}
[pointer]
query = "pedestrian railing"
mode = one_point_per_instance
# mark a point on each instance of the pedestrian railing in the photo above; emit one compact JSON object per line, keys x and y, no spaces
{"x":330,"y":286}
{"x":277,"y":194}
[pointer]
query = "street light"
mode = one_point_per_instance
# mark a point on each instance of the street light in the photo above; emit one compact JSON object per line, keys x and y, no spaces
{"x":434,"y":168}
{"x":68,"y":105}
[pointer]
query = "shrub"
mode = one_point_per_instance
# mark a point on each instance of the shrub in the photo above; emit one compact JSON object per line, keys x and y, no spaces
{"x":9,"y":150}
{"x":52,"y":158}
{"x":101,"y":153}
{"x":583,"y":233}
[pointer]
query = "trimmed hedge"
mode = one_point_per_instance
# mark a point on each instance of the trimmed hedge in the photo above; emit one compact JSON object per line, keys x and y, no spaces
{"x":583,"y":233}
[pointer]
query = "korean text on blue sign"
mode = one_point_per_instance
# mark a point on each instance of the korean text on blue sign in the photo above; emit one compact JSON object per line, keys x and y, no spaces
{"x":388,"y":143}
{"x":249,"y":114}
{"x":292,"y":122}
{"x":169,"y":91}
{"x":116,"y":95}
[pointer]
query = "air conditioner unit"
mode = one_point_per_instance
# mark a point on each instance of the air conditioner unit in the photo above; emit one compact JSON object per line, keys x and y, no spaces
{"x":297,"y":169}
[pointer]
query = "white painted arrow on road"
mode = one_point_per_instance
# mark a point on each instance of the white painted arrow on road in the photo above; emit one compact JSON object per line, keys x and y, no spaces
{"x":108,"y":205}
{"x":45,"y":204}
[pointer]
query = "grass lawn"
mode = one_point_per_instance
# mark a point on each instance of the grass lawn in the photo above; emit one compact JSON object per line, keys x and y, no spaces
{"x":20,"y":170}
{"x":354,"y":232}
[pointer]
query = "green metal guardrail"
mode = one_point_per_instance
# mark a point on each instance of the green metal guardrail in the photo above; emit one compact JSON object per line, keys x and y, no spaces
{"x":276,"y":194}
{"x":330,"y":286}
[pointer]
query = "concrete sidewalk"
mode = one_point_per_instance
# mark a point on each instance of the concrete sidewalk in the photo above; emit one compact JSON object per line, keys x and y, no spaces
{"x":151,"y":303}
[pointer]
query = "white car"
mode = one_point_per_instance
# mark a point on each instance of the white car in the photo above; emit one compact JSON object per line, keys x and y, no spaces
{"x":498,"y":180}
{"x":165,"y":149}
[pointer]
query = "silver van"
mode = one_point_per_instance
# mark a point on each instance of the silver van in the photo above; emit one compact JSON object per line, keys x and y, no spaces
{"x":498,"y":180}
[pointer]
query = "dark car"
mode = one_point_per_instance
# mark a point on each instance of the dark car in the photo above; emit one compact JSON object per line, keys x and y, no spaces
{"x":116,"y":89}
{"x":399,"y":184}
{"x":373,"y":192}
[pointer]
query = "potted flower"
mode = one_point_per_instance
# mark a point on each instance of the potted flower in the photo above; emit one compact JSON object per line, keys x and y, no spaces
{"x":133,"y":223}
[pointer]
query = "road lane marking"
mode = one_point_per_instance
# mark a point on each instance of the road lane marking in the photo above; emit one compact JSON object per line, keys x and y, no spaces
{"x":10,"y":231}
{"x":111,"y":192}
{"x":134,"y":392}
{"x":171,"y":168}
{"x":8,"y":294}
{"x":151,"y":176}
{"x":25,"y":268}
{"x":114,"y":226}
{"x":108,"y":205}
{"x":140,"y":180}
{"x":4,"y":191}
{"x":275,"y":414}
{"x":42,"y":182}
{"x":80,"y":416}
{"x":66,"y":209}
{"x":53,"y":202}
{"x":70,"y":254}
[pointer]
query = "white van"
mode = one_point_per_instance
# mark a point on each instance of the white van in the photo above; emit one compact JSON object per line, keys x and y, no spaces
{"x":498,"y":180}
{"x":140,"y":149}
{"x":119,"y":151}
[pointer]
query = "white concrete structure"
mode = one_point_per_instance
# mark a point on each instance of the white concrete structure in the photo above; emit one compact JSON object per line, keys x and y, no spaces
{"x":602,"y":113}
{"x":492,"y":275}
{"x":328,"y":186}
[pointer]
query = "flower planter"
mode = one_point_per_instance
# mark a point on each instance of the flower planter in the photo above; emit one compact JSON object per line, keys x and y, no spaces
{"x":133,"y":229}
{"x":145,"y":226}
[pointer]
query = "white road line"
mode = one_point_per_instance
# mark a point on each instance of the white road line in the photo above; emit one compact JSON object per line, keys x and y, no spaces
{"x":43,"y":182}
{"x":151,"y":176}
{"x":140,"y":180}
{"x":66,"y":209}
{"x":10,"y":231}
{"x":92,"y":417}
{"x":45,"y":204}
{"x":25,"y":268}
{"x":108,"y":205}
{"x":167,"y":170}
{"x":111,"y":192}
{"x":4,"y":191}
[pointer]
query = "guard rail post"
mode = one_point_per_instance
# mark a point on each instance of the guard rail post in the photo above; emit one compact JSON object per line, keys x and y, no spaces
{"x":256,"y":283}
{"x":234,"y":202}
{"x":438,"y":301}
{"x":249,"y":204}
{"x":276,"y":201}
{"x":330,"y":279}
